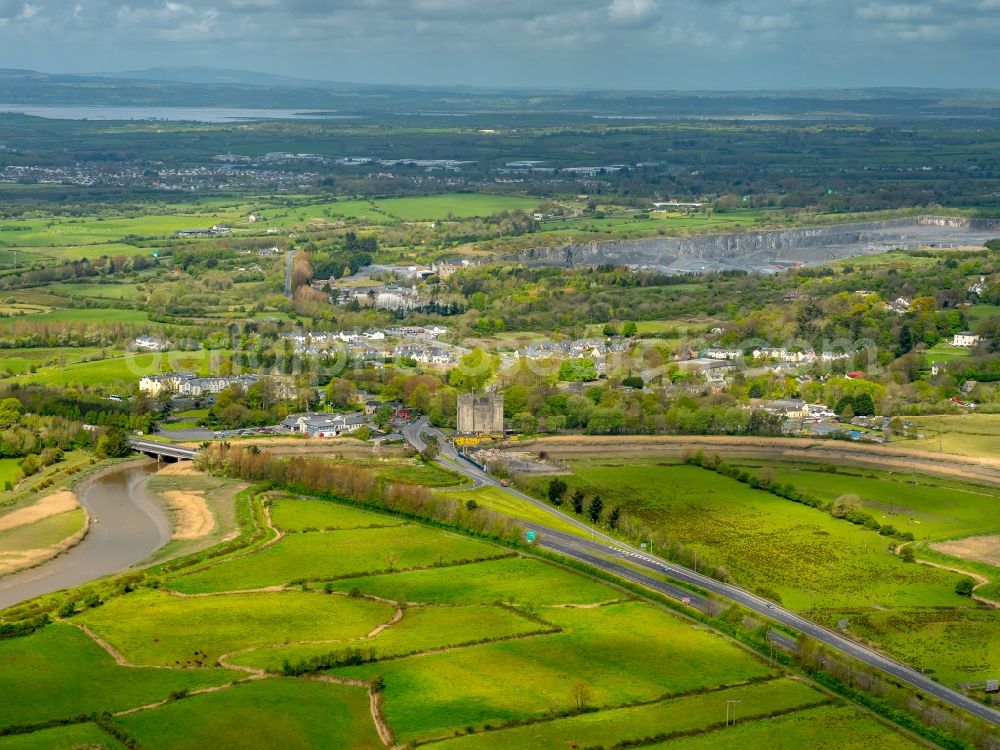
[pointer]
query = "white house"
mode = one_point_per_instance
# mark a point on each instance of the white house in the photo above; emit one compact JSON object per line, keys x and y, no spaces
{"x":965,"y":338}
{"x":149,"y":344}
{"x":325,"y":425}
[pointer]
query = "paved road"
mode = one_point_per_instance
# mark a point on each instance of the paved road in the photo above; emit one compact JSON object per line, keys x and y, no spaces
{"x":129,"y":527}
{"x":599,"y":546}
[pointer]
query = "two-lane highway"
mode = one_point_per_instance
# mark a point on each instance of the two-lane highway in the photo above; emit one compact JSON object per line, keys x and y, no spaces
{"x":595,"y":547}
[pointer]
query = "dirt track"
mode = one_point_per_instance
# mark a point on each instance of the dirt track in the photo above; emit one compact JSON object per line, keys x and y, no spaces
{"x":896,"y":458}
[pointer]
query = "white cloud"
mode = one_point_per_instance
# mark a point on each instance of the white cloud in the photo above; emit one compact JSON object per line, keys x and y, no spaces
{"x":28,"y":12}
{"x":631,"y":11}
{"x":894,"y":12}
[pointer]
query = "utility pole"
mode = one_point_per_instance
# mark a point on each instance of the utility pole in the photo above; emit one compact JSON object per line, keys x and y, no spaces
{"x":732,"y":703}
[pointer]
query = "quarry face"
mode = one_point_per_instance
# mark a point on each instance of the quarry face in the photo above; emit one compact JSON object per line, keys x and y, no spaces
{"x":769,"y":251}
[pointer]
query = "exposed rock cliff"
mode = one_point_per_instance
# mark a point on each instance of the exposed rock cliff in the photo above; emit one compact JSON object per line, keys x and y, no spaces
{"x":807,"y":244}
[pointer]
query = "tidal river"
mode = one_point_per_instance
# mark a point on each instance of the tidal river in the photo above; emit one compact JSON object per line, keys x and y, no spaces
{"x":126,"y":527}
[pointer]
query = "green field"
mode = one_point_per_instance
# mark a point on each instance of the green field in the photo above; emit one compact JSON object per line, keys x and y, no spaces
{"x":944,"y":352}
{"x":503,"y":502}
{"x":767,"y":541}
{"x":474,"y":645}
{"x":155,"y":628}
{"x":10,"y":471}
{"x":410,"y":471}
{"x":456,"y":205}
{"x":421,"y":629}
{"x":320,"y":213}
{"x":337,"y":554}
{"x":56,"y":232}
{"x":517,"y":580}
{"x":815,"y":563}
{"x":117,"y":291}
{"x":929,"y":507}
{"x":299,"y":514}
{"x":125,"y":372}
{"x":83,"y":315}
{"x":817,"y":729}
{"x":655,"y":223}
{"x":275,"y":713}
{"x":41,"y":678}
{"x":965,"y":434}
{"x":72,"y":737}
{"x":42,"y":534}
{"x":678,"y":715}
{"x":624,"y":652}
{"x":20,"y":361}
{"x":955,"y":646}
{"x":982,"y":311}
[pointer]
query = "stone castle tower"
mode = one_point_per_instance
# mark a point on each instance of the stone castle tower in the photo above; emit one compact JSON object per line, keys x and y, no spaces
{"x":480,"y":413}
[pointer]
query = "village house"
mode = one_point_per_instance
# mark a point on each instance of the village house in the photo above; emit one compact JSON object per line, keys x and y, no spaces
{"x":321,"y":425}
{"x":187,"y":384}
{"x":965,"y":338}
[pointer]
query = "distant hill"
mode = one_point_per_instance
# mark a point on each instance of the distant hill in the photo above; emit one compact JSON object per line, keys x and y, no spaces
{"x":218,"y":76}
{"x":220,"y":87}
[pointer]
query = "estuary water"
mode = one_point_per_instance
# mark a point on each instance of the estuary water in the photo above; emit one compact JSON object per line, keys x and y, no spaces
{"x":126,"y":527}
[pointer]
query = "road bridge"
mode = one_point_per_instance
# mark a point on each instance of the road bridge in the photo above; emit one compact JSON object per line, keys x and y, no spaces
{"x":161,"y":451}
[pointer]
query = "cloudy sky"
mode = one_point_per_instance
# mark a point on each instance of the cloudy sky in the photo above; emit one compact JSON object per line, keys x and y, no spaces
{"x":652,"y":44}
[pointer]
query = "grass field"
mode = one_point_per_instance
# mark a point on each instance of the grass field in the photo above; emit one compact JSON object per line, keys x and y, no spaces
{"x":82,"y":315}
{"x":411,"y":471}
{"x":41,"y":678}
{"x":769,"y":542}
{"x":60,"y":231}
{"x":117,"y":291}
{"x":42,"y":534}
{"x":72,"y":737}
{"x":944,"y":352}
{"x":624,"y":652}
{"x":20,"y":361}
{"x":320,"y":213}
{"x":421,"y":629}
{"x":275,"y":713}
{"x":219,"y":496}
{"x":929,"y":507}
{"x":840,"y":728}
{"x":503,"y":502}
{"x":955,"y":646}
{"x":124,"y":372}
{"x":299,"y":514}
{"x":827,"y":567}
{"x":336,"y":554}
{"x":457,"y":205}
{"x":666,"y":223}
{"x":152,"y":627}
{"x":979,"y":312}
{"x":10,"y":471}
{"x":965,"y":434}
{"x":892,"y":259}
{"x":476,"y":644}
{"x":685,"y":714}
{"x":516,"y":580}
